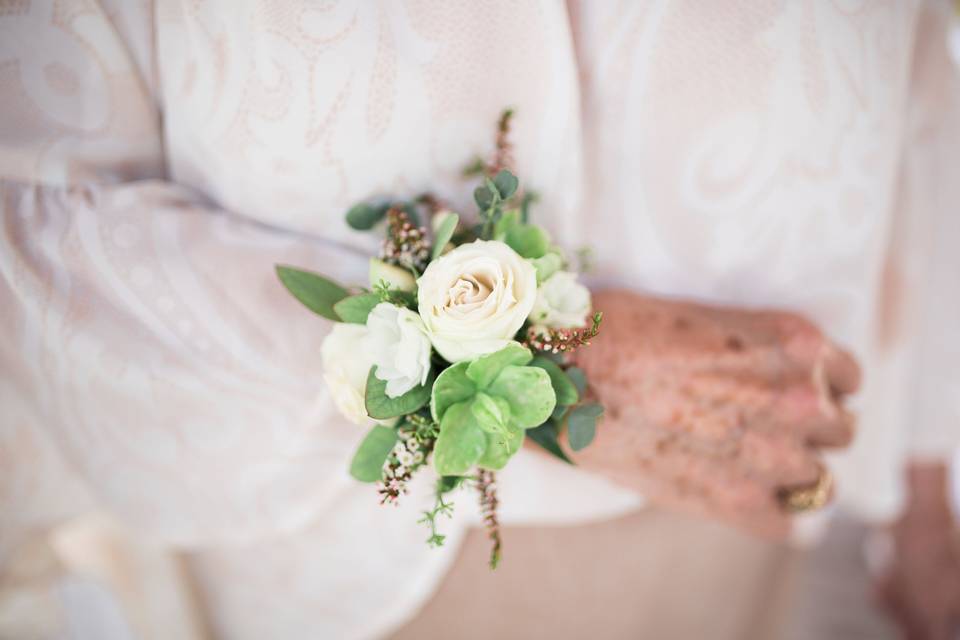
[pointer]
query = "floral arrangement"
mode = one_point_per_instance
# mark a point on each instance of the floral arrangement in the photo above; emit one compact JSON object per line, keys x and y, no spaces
{"x":458,"y":350}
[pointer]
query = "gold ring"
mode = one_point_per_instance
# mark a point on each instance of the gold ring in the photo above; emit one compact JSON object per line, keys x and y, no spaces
{"x":807,"y":497}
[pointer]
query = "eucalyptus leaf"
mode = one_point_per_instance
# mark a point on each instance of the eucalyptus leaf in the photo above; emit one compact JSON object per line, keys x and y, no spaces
{"x":492,"y":413}
{"x":315,"y":292}
{"x":461,"y":441}
{"x":562,"y":385}
{"x":558,"y":413}
{"x":529,"y":393}
{"x":546,"y":436}
{"x":443,"y":234}
{"x":507,"y":183}
{"x":500,"y":448}
{"x":485,"y":196}
{"x":364,"y":217}
{"x":445,"y":484}
{"x":452,"y":386}
{"x":582,"y":425}
{"x":578,"y":377}
{"x":380,"y":406}
{"x":355,"y":309}
{"x":484,"y":369}
{"x":367,"y":464}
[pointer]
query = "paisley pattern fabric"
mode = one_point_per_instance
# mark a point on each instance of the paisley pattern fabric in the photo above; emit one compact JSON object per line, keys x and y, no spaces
{"x":158,"y":157}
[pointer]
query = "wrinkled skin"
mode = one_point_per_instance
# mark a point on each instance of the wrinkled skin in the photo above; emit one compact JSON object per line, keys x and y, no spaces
{"x":711,"y":410}
{"x":922,"y":587}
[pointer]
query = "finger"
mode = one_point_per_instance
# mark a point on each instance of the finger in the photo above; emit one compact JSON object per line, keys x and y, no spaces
{"x":720,"y":488}
{"x":802,"y":342}
{"x":778,"y":459}
{"x":835,"y":432}
{"x":806,"y":412}
{"x":842,"y":371}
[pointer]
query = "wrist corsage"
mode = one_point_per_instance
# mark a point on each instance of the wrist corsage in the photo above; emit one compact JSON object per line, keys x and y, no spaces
{"x":458,"y":348}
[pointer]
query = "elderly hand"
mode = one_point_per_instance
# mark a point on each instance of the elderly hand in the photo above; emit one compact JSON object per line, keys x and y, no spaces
{"x":714,"y":410}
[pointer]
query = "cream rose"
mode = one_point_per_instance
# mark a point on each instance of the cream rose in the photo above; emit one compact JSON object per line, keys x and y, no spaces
{"x":399,"y":346}
{"x":346,"y":364}
{"x":562,"y":302}
{"x":475,"y":298}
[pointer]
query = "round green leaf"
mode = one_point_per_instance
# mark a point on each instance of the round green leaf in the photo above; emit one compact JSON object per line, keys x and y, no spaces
{"x":529,"y":393}
{"x":509,"y":220}
{"x":562,"y":385}
{"x":485,"y":196}
{"x":452,"y":386}
{"x":529,"y":240}
{"x":484,"y":369}
{"x":546,"y":436}
{"x":367,"y":464}
{"x":492,"y":414}
{"x":507,"y":183}
{"x":578,"y":377}
{"x":380,"y":406}
{"x":500,"y":448}
{"x":461,"y":441}
{"x":582,"y":425}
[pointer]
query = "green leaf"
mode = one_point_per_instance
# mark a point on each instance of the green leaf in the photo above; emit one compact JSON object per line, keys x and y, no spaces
{"x":367,"y":464}
{"x":547,"y":265}
{"x":579,"y":378}
{"x":363,"y":217}
{"x":582,"y":425}
{"x":507,"y":222}
{"x":530,"y":241}
{"x":500,"y":448}
{"x":461,"y":441}
{"x":396,"y":277}
{"x":316,"y":292}
{"x":529,"y":392}
{"x":445,"y":484}
{"x":413,"y":215}
{"x":486,"y":195}
{"x":546,"y":436}
{"x":562,"y":385}
{"x":492,"y":414}
{"x":355,"y":309}
{"x":380,"y":406}
{"x":484,"y":369}
{"x":528,"y":198}
{"x":507,"y":183}
{"x":558,"y":412}
{"x":452,"y":386}
{"x":443,"y":234}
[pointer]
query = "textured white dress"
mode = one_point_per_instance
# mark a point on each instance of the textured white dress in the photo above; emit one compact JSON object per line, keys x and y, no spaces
{"x":161,"y":391}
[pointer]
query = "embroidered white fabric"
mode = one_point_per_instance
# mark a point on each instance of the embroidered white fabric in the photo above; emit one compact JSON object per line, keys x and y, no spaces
{"x":157,"y":159}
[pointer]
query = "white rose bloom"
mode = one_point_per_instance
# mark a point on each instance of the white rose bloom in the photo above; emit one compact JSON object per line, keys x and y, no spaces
{"x":346,"y":365}
{"x":562,"y":302}
{"x":475,"y":298}
{"x":399,"y":346}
